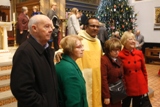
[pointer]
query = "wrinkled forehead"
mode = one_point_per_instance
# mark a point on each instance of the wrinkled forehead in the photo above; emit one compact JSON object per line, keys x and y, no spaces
{"x":44,"y":20}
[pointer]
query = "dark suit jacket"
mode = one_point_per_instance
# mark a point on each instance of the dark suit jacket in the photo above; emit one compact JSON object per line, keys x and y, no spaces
{"x":55,"y":19}
{"x":33,"y":78}
{"x":72,"y":89}
{"x":22,"y":22}
{"x":102,"y":34}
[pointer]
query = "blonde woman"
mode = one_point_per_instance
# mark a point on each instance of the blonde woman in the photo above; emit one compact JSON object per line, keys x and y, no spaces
{"x":135,"y":73}
{"x":73,"y":26}
{"x":72,"y":89}
{"x":36,"y":11}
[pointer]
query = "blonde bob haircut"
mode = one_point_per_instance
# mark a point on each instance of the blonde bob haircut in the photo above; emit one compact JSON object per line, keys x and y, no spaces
{"x":126,"y":35}
{"x":53,"y":4}
{"x":112,"y":44}
{"x":36,"y":8}
{"x":74,"y":11}
{"x":24,"y":8}
{"x":68,"y":43}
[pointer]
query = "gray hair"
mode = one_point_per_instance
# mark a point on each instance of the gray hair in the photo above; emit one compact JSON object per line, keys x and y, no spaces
{"x":24,"y":8}
{"x":35,"y":20}
{"x":32,"y":20}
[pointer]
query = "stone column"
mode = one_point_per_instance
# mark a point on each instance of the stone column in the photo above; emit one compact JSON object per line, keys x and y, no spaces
{"x":61,"y":10}
{"x":44,"y":6}
{"x":61,"y":5}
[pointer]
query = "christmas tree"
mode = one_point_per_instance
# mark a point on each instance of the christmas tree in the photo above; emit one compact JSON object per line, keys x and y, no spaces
{"x":117,"y":15}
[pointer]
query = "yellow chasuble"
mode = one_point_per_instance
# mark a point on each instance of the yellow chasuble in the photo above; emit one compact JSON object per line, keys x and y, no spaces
{"x":90,"y":67}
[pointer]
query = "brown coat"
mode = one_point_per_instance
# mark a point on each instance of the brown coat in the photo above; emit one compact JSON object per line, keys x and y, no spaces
{"x":22,"y":22}
{"x":110,"y":73}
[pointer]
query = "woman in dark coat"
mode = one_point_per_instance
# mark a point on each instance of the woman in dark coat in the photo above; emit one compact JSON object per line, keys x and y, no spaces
{"x":111,"y":70}
{"x":135,"y":73}
{"x":72,"y":89}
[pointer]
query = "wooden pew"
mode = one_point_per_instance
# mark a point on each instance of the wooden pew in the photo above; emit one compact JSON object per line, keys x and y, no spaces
{"x":152,"y":54}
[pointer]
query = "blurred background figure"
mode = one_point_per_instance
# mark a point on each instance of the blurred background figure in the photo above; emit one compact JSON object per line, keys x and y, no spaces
{"x":36,"y":11}
{"x":116,"y":35}
{"x":102,"y":34}
{"x":84,"y":18}
{"x":22,"y":26}
{"x":139,"y":40}
{"x":73,"y":26}
{"x":79,"y":15}
{"x":56,"y":23}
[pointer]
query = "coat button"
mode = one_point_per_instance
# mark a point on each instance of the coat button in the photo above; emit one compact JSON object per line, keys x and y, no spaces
{"x":128,"y":62}
{"x":135,"y":70}
{"x":134,"y":61}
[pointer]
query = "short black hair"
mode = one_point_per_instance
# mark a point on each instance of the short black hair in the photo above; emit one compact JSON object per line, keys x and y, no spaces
{"x":87,"y":21}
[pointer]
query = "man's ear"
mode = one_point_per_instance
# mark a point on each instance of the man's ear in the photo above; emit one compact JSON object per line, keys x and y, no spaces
{"x":34,"y":28}
{"x":85,"y":26}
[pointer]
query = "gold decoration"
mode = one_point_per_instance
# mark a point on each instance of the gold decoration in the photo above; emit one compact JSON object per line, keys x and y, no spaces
{"x":157,"y":15}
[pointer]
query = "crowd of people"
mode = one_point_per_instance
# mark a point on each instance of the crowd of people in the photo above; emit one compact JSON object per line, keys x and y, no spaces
{"x":78,"y":71}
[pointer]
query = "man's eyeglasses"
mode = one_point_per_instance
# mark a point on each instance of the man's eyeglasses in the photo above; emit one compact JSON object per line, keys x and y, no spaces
{"x":93,"y":26}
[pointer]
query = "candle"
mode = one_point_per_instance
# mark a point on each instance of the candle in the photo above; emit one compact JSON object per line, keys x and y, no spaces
{"x":14,"y":17}
{"x":0,"y":18}
{"x":6,"y":18}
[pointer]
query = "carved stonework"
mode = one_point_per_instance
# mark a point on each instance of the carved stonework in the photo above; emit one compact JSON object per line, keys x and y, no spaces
{"x":5,"y":67}
{"x":44,"y":6}
{"x":7,"y":101}
{"x":88,"y":1}
{"x":5,"y":77}
{"x":4,"y":88}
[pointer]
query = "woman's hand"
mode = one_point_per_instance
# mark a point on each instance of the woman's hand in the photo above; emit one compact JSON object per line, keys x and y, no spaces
{"x":58,"y":57}
{"x":106,"y":101}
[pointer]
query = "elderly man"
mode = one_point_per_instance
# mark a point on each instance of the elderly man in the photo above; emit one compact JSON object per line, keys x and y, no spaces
{"x":90,"y":62}
{"x":139,"y":40}
{"x":33,"y":78}
{"x":102,"y":34}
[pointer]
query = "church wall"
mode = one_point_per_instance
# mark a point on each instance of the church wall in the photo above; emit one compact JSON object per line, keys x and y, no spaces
{"x":5,"y":2}
{"x":146,"y":19}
